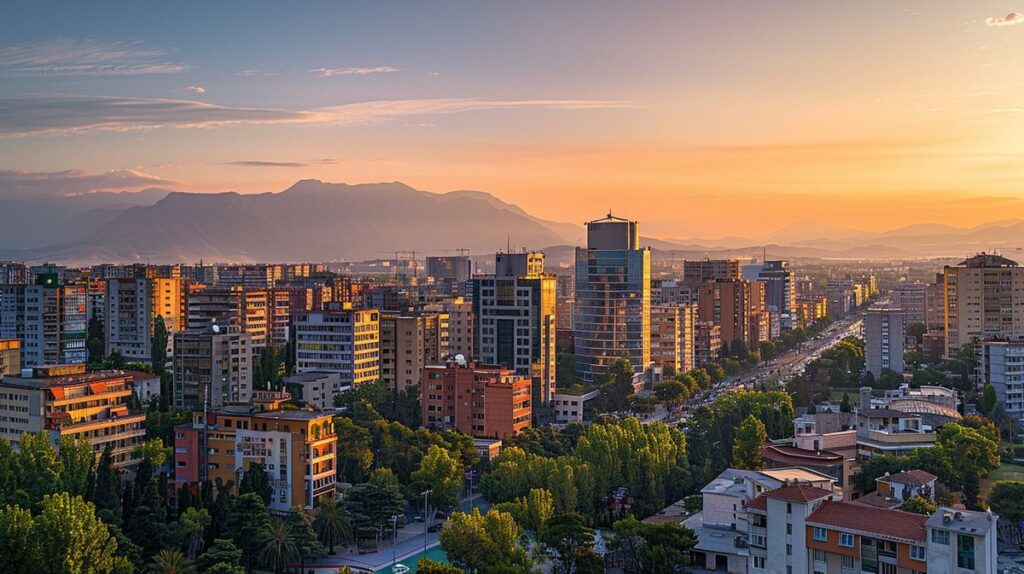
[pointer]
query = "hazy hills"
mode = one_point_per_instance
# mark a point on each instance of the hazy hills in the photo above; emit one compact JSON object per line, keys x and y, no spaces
{"x":314,"y":221}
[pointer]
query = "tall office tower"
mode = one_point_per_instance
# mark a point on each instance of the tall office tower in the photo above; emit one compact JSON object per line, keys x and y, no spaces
{"x":738,"y":307}
{"x":339,"y":339}
{"x":128,"y":319}
{"x":213,"y":364}
{"x":565,"y":300}
{"x":983,"y":300}
{"x":883,"y":340}
{"x":1001,"y":364}
{"x":461,"y":324}
{"x":55,"y":323}
{"x":779,"y":291}
{"x":409,"y":342}
{"x":456,"y":268}
{"x":515,"y":319}
{"x":912,"y":298}
{"x":613,"y":298}
{"x":672,"y":337}
{"x":703,"y":270}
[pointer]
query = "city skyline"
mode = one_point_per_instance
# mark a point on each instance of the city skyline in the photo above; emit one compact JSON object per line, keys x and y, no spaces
{"x":690,"y":109}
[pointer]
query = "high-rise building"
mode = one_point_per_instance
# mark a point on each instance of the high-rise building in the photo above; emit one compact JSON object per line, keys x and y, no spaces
{"x":262,"y":313}
{"x":779,"y":291}
{"x":68,"y":401}
{"x":55,"y":323}
{"x":912,"y":298}
{"x":10,"y":357}
{"x":841,"y":298}
{"x":339,"y":339}
{"x":1001,"y":364}
{"x":935,"y":304}
{"x":984,"y":299}
{"x":170,"y":302}
{"x":496,"y":401}
{"x":128,"y":321}
{"x":704,"y":270}
{"x":565,"y":300}
{"x":672,"y":337}
{"x":13,"y":273}
{"x":883,"y":340}
{"x":409,"y":342}
{"x":738,"y":307}
{"x":454,"y":268}
{"x":296,"y":448}
{"x":613,"y":298}
{"x":12,"y":313}
{"x":515,"y":319}
{"x":707,"y":342}
{"x":461,"y":324}
{"x":212,"y":366}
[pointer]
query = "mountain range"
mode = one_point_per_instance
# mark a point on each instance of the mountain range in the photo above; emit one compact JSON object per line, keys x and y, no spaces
{"x":317,"y":221}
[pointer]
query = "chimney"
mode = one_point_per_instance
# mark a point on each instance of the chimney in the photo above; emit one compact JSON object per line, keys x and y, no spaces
{"x":865,"y":398}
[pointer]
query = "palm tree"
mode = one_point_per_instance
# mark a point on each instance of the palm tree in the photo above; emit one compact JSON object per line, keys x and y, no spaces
{"x":332,"y":523}
{"x":279,"y":548}
{"x":171,"y":562}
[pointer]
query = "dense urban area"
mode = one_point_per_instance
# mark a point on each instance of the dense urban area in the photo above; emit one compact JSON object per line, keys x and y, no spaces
{"x":500,"y":413}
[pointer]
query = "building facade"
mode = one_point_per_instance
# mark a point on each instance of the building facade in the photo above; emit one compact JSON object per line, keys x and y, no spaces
{"x":483,"y":401}
{"x":883,"y":340}
{"x":339,"y":339}
{"x":1001,"y":364}
{"x":409,"y":342}
{"x":672,"y":337}
{"x":212,"y":366}
{"x":128,"y":318}
{"x":984,"y":299}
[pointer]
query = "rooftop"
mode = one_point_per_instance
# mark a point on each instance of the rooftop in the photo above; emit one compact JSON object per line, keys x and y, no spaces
{"x":883,"y":413}
{"x":967,"y":521}
{"x":987,"y":260}
{"x":910,"y":477}
{"x":796,"y":455}
{"x":38,"y":383}
{"x":878,"y":500}
{"x":863,"y":519}
{"x":732,"y":482}
{"x":799,"y":493}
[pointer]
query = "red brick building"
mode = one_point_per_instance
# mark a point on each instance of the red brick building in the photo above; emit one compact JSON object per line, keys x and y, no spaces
{"x":484,"y":401}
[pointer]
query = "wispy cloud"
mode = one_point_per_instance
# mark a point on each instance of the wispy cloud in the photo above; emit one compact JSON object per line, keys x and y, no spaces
{"x":1010,"y":19}
{"x":68,"y":57}
{"x":66,"y":114}
{"x":255,"y":72}
{"x":36,"y":184}
{"x":196,"y":89}
{"x":261,"y":163}
{"x":358,"y":71}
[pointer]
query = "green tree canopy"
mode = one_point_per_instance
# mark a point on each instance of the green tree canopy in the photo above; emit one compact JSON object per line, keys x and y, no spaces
{"x":751,"y":437}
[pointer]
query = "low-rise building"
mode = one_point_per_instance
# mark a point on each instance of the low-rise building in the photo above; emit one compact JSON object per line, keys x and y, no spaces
{"x":568,"y":406}
{"x":317,"y":388}
{"x":68,"y":401}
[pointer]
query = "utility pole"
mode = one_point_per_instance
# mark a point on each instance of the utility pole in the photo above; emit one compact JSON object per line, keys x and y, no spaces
{"x":426,"y":517}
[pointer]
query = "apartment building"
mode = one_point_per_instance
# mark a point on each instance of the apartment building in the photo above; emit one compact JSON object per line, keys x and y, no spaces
{"x":738,"y":307}
{"x":128,"y":318}
{"x":890,"y":432}
{"x":1001,"y":364}
{"x":212,"y":366}
{"x":10,"y":357}
{"x":317,"y":389}
{"x":984,"y":300}
{"x":481,"y":400}
{"x":883,"y":340}
{"x":409,"y":342}
{"x":65,"y":400}
{"x":51,"y":320}
{"x":672,"y":336}
{"x":297,"y":448}
{"x":461,"y":324}
{"x":912,"y":299}
{"x":339,"y":339}
{"x":710,"y":270}
{"x":707,"y":342}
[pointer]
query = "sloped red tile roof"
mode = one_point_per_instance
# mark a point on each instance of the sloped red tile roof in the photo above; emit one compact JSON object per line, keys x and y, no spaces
{"x":799,"y":493}
{"x":863,"y":519}
{"x":759,"y":503}
{"x":910,"y":477}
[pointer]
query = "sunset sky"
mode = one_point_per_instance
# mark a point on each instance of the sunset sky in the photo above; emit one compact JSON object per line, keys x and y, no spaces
{"x":700,"y":119}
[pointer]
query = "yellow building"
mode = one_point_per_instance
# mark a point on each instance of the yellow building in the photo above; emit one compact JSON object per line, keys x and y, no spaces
{"x":297,"y":449}
{"x":10,"y":357}
{"x":68,"y":401}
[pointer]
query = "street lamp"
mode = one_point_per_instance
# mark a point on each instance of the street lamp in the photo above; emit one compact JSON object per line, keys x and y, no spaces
{"x":426,"y":517}
{"x":394,"y":540}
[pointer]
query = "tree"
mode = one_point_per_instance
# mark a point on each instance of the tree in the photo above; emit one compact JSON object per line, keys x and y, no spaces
{"x":18,"y":546}
{"x":278,"y":548}
{"x":256,"y":480}
{"x":616,"y":386}
{"x":355,"y":456}
{"x":651,"y":549}
{"x":428,"y":566}
{"x":300,"y":529}
{"x":441,"y":473}
{"x":38,"y":466}
{"x":222,"y":551}
{"x":158,"y":351}
{"x":153,"y":452}
{"x":751,"y":437}
{"x":107,"y":489}
{"x":845,"y":406}
{"x":568,"y":539}
{"x":1006,"y":500}
{"x":540,"y":506}
{"x":919,"y":505}
{"x":987,"y":402}
{"x":192,"y":523}
{"x":72,"y":539}
{"x":94,"y":340}
{"x":474,"y":541}
{"x":171,"y":561}
{"x":76,"y":462}
{"x":249,"y":524}
{"x":331,"y":523}
{"x":671,"y":392}
{"x":222,"y":568}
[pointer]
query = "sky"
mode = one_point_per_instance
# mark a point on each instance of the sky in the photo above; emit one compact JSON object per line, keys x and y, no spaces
{"x":699,"y":119}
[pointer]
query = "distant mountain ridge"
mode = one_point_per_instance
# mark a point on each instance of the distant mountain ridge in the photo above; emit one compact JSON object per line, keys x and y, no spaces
{"x":315,"y":221}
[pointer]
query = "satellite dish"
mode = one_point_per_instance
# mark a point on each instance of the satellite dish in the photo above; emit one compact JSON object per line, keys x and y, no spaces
{"x":460,"y":359}
{"x":216,"y":328}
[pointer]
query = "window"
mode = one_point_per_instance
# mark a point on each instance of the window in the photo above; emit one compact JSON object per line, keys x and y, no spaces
{"x":886,"y":568}
{"x":940,"y":537}
{"x":819,"y":555}
{"x":965,"y":551}
{"x":918,"y":553}
{"x":757,"y":540}
{"x":759,"y":562}
{"x":848,"y":562}
{"x":789,"y":529}
{"x":846,"y":540}
{"x":789,"y":550}
{"x":820,"y":534}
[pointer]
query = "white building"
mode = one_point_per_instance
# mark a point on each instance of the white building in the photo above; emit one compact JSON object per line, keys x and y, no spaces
{"x":318,"y":388}
{"x":339,"y":339}
{"x":883,"y":340}
{"x":1001,"y":364}
{"x":568,"y":407}
{"x":962,"y":541}
{"x":128,"y":319}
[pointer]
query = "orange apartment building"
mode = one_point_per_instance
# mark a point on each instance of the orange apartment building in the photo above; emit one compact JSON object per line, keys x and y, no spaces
{"x":297,"y":448}
{"x":68,"y":401}
{"x":483,"y":401}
